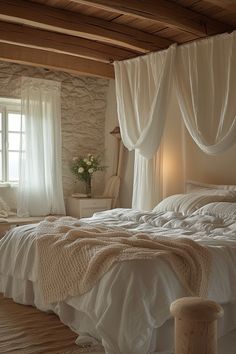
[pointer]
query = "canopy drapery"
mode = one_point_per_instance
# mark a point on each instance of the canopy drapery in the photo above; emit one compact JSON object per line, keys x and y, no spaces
{"x":146,"y":174}
{"x":142,"y":90}
{"x":205,"y":83}
{"x":40,"y":184}
{"x":205,"y":79}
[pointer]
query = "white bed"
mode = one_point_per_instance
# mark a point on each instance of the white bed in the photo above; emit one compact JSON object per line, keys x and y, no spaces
{"x":127,"y":311}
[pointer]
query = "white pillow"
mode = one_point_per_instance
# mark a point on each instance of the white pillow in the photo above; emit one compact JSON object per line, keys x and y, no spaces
{"x":188,"y":203}
{"x":194,"y":186}
{"x":219,"y":209}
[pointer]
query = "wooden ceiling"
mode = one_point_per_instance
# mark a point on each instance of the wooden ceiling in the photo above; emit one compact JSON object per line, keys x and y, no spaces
{"x":86,"y":36}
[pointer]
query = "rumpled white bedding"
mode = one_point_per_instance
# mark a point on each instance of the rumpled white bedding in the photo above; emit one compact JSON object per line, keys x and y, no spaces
{"x":128,"y":309}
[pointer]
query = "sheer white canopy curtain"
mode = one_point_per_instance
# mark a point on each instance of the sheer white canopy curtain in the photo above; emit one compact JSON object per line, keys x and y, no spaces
{"x":205,"y":79}
{"x":205,"y":85}
{"x":142,"y":91}
{"x":40,"y":186}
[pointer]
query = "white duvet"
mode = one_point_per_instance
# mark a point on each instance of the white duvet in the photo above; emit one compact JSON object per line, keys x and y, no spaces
{"x":128,"y":310}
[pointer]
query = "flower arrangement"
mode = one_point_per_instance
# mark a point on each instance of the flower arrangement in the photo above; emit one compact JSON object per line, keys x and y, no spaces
{"x":83,"y":169}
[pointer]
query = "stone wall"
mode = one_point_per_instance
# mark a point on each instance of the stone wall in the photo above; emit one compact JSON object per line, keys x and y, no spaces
{"x":83,"y":105}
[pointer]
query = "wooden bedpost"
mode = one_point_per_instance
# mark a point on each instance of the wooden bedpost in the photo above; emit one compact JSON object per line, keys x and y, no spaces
{"x":195,"y":325}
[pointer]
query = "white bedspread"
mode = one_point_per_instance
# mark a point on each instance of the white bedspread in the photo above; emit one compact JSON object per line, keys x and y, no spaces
{"x":125,"y":309}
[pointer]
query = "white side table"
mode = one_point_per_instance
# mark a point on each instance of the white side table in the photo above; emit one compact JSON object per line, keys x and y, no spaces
{"x":4,"y":227}
{"x":12,"y":221}
{"x":86,"y":207}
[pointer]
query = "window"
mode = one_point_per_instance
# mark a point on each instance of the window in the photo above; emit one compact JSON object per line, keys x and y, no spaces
{"x":12,"y":134}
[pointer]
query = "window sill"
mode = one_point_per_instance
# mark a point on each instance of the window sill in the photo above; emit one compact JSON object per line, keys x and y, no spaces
{"x":8,"y":185}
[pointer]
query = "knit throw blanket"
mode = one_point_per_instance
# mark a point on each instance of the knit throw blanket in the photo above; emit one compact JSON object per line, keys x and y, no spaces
{"x":73,"y":258}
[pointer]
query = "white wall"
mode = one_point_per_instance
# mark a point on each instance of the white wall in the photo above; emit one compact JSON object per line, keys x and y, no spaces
{"x":218,"y":169}
{"x":172,"y":151}
{"x":186,"y":161}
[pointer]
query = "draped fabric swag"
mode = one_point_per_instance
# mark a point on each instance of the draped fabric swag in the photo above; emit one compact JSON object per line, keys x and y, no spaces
{"x":205,"y":79}
{"x":146,"y":174}
{"x":40,"y":187}
{"x":142,"y":90}
{"x":205,"y":83}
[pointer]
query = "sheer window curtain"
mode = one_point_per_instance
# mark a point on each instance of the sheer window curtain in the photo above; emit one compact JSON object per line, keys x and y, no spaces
{"x":142,"y":90}
{"x":205,"y":81}
{"x":40,"y":187}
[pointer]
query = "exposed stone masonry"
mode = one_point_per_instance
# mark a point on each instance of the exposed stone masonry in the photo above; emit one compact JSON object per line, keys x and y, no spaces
{"x":83,"y":105}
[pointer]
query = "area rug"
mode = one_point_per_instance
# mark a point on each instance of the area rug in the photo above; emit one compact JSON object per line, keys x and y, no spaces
{"x":26,"y":330}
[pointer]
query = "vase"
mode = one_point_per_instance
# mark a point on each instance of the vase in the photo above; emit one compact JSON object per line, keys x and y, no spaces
{"x":88,"y":187}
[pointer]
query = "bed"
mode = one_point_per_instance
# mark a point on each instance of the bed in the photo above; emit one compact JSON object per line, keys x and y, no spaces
{"x":127,"y":309}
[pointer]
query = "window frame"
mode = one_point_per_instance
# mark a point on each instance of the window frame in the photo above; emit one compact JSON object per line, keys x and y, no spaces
{"x":7,"y":106}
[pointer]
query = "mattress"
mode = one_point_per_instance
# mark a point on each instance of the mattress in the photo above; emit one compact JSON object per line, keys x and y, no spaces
{"x":127,"y":311}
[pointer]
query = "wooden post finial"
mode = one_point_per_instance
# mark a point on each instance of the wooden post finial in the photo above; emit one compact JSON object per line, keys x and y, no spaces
{"x":195,"y":325}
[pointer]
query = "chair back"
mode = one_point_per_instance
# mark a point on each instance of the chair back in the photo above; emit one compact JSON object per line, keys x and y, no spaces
{"x":112,"y":189}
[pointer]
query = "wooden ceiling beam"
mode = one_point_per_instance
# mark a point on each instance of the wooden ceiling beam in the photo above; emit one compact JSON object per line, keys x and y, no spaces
{"x":224,"y":4}
{"x":57,"y":42}
{"x":68,"y":22}
{"x":56,"y":61}
{"x":163,"y":11}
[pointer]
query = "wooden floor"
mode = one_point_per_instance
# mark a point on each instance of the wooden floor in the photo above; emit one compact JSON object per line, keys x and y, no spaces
{"x":25,"y":330}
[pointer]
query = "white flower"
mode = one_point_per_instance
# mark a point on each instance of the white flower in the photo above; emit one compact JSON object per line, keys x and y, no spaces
{"x":85,"y":160}
{"x":80,"y":170}
{"x":89,"y":163}
{"x":75,"y":158}
{"x":90,"y":170}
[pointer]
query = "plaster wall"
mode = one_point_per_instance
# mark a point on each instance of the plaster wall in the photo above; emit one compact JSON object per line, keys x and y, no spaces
{"x":183,"y":160}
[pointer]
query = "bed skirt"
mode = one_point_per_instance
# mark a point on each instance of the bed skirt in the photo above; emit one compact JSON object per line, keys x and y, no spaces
{"x":27,"y":293}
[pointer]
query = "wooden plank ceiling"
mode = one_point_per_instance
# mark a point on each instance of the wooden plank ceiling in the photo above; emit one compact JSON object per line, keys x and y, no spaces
{"x":86,"y":36}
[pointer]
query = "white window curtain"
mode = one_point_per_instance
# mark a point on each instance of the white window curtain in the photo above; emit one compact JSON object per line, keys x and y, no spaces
{"x":40,"y":186}
{"x":142,"y":91}
{"x":205,"y":79}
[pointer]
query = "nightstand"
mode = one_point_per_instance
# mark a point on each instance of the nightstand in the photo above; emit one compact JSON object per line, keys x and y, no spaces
{"x":12,"y":221}
{"x":4,"y":227}
{"x":86,"y":207}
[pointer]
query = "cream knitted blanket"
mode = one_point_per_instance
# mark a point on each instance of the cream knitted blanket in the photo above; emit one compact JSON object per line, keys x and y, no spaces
{"x":73,"y":259}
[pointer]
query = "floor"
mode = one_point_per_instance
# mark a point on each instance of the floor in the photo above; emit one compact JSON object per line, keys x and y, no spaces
{"x":26,"y":330}
{"x":227,"y":344}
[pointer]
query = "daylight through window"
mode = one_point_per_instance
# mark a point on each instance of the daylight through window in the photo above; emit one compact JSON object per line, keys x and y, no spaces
{"x":12,"y":136}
